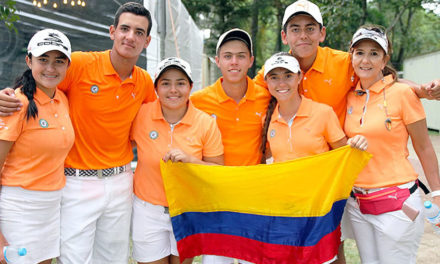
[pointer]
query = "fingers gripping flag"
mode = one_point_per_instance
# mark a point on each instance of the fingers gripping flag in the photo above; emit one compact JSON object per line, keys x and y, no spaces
{"x":280,"y":213}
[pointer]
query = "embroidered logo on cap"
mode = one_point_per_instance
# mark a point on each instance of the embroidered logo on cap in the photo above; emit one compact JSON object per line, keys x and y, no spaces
{"x":53,"y":40}
{"x":43,"y":123}
{"x":94,"y":89}
{"x":154,"y":134}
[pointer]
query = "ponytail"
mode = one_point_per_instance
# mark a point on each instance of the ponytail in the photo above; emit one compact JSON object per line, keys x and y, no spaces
{"x":270,"y":109}
{"x":28,"y":87}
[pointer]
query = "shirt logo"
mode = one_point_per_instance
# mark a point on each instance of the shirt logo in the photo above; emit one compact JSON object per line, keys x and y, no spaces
{"x":272,"y":133}
{"x":154,"y":134}
{"x":94,"y":89}
{"x":258,"y":114}
{"x":329,"y":81}
{"x":43,"y":123}
{"x":350,"y":110}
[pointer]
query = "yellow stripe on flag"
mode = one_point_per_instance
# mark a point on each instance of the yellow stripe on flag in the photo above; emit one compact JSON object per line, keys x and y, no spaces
{"x":303,"y":187}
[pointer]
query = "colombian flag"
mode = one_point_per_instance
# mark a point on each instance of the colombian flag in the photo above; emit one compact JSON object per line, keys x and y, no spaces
{"x":280,"y":213}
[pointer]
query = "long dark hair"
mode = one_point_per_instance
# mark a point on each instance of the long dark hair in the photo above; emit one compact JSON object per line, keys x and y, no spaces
{"x":270,"y":108}
{"x":28,"y":87}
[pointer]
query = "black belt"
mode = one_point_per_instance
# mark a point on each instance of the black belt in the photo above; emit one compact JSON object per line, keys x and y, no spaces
{"x":411,"y":190}
{"x":95,"y":173}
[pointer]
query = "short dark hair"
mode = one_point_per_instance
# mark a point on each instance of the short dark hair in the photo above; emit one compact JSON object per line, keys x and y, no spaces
{"x":136,"y":9}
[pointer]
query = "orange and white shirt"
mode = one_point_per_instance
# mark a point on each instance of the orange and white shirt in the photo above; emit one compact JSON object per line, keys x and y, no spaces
{"x":36,"y":159}
{"x":307,"y":133}
{"x":366,"y":115}
{"x":328,"y":81}
{"x":102,"y":109}
{"x":240,"y":124}
{"x":196,"y":134}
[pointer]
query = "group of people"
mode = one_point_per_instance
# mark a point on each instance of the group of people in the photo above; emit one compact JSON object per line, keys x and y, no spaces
{"x":72,"y":198}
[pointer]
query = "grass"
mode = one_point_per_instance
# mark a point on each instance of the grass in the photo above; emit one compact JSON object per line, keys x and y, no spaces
{"x":433,"y":132}
{"x":351,"y":252}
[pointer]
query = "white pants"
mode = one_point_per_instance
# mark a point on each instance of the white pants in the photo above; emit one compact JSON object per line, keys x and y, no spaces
{"x":212,"y":259}
{"x":31,"y":219}
{"x":152,"y":232}
{"x":95,"y":219}
{"x":387,"y":238}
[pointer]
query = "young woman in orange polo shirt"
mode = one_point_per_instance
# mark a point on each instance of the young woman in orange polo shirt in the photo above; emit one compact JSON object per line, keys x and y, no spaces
{"x":387,"y":219}
{"x":170,"y":128}
{"x":296,"y":126}
{"x":33,"y":145}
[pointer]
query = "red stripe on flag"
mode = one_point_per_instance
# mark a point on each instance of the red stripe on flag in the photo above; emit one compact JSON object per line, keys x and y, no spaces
{"x":259,"y":252}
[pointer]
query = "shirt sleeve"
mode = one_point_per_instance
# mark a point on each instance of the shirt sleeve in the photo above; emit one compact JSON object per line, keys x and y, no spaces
{"x":137,"y":122}
{"x":12,"y":126}
{"x":72,"y":72}
{"x":259,"y":78}
{"x":411,"y":106}
{"x":333,"y":130}
{"x":150,"y":91}
{"x":212,"y":144}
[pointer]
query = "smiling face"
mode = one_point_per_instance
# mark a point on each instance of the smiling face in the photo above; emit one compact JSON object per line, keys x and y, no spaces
{"x":368,"y":60}
{"x":173,"y":89}
{"x":283,"y":84}
{"x":48,"y":70}
{"x":130,"y":36}
{"x":303,"y":35}
{"x":234,"y":60}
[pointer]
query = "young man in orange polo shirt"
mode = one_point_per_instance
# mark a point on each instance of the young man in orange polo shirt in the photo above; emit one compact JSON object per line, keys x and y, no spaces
{"x":237,"y":104}
{"x":105,"y":91}
{"x":328,"y":74}
{"x":234,"y":100}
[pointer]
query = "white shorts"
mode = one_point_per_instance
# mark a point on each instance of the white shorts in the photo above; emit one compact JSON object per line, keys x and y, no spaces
{"x":213,"y":259}
{"x":95,"y":219}
{"x":390,"y":237}
{"x":31,"y":219}
{"x":152,"y":232}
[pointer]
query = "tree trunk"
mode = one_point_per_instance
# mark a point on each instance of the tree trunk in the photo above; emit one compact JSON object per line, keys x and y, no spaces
{"x":254,"y":31}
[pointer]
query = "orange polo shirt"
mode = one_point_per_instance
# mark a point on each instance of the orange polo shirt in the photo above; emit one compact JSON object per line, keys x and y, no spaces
{"x":314,"y":126}
{"x":196,"y":134}
{"x":389,"y":165}
{"x":102,"y":108}
{"x":328,"y":81}
{"x":36,"y":159}
{"x":240,"y":124}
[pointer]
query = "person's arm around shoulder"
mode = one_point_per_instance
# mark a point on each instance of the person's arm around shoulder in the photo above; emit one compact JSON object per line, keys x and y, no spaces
{"x":429,"y":90}
{"x":9,"y":103}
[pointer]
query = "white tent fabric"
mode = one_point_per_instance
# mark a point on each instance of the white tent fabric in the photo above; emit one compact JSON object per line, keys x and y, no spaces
{"x":179,"y":30}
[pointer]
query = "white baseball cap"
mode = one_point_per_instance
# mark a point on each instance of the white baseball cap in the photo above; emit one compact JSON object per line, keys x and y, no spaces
{"x":281,"y":60}
{"x":49,"y":39}
{"x":172,"y":62}
{"x":302,"y":7}
{"x":376,"y":34}
{"x":235,"y":34}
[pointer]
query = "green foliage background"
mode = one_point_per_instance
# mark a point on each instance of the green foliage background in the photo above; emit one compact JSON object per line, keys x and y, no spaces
{"x":412,"y":29}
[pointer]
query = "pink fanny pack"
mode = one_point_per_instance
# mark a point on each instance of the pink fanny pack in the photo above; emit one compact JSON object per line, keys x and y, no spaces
{"x":383,"y":201}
